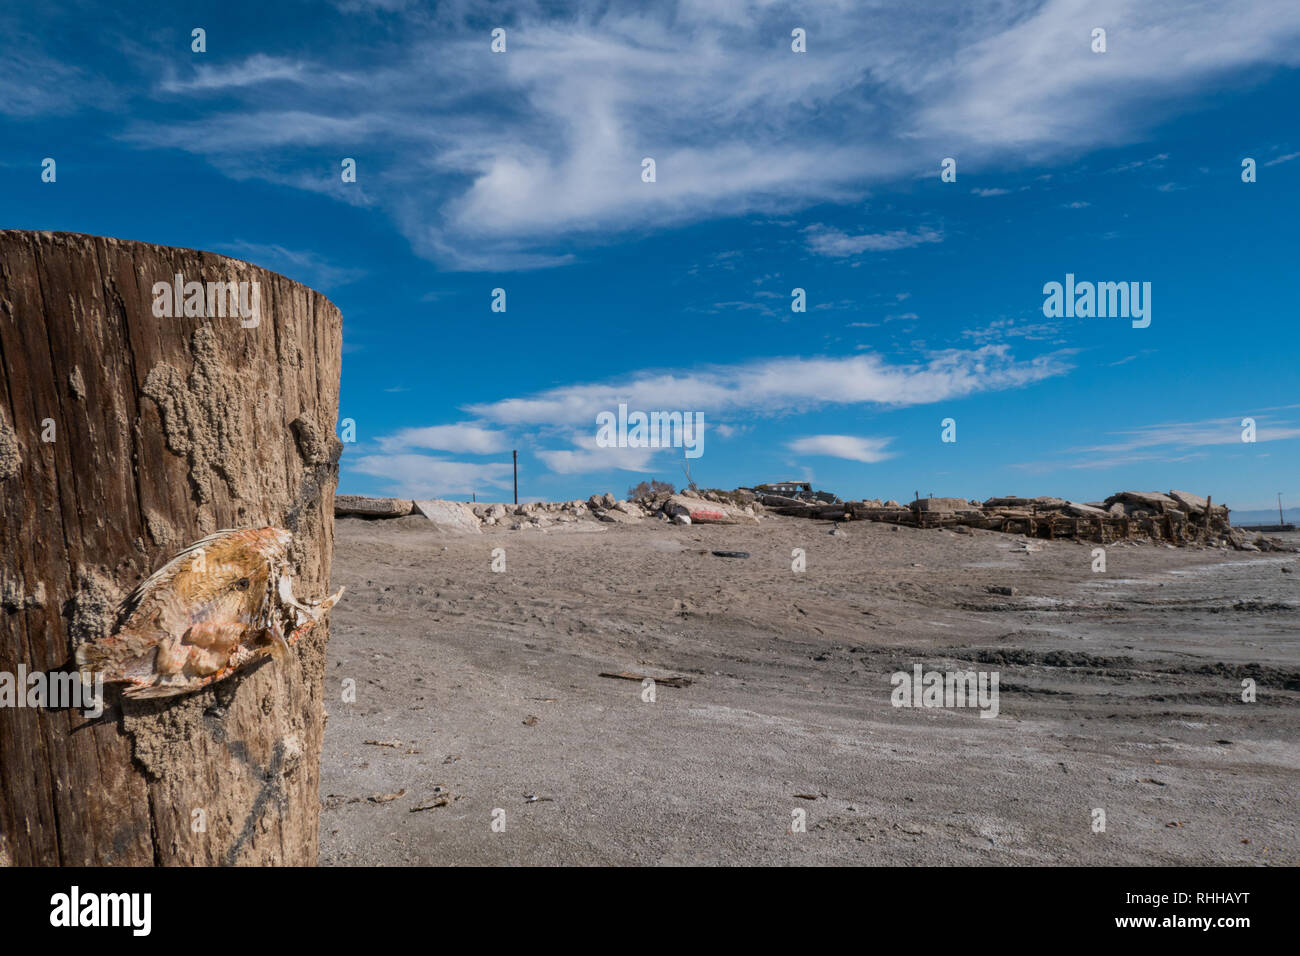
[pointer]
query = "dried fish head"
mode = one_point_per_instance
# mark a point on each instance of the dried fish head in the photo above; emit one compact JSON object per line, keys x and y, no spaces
{"x":220,"y":605}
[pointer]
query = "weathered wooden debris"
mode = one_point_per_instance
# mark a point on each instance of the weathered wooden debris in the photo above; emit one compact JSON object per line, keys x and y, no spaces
{"x":1178,"y":518}
{"x":945,"y":504}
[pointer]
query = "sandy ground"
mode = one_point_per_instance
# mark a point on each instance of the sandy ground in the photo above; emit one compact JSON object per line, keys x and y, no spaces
{"x":1119,"y":691}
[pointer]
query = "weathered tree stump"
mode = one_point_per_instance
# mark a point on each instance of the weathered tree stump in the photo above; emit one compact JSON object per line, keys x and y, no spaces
{"x":125,"y":436}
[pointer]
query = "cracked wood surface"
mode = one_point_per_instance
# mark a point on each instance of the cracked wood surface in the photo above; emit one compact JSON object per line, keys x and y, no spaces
{"x":164,"y":429}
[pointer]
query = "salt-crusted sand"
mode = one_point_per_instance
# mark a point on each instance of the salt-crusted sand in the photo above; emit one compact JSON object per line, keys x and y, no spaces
{"x":1119,"y":691}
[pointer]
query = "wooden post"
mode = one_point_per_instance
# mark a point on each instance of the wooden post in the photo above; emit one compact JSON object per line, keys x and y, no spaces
{"x":515,"y":455}
{"x":124,"y":436}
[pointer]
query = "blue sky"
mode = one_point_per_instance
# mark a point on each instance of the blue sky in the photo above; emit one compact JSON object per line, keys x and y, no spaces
{"x":775,"y":170}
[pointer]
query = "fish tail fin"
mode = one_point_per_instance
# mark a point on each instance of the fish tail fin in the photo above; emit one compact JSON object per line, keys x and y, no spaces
{"x":91,"y":659}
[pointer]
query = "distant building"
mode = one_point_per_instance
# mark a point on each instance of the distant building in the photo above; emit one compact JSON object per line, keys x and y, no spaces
{"x":788,"y":488}
{"x":802,"y":490}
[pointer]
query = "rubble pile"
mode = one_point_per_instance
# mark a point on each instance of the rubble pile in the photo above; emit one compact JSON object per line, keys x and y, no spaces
{"x":1178,"y":518}
{"x":684,"y":507}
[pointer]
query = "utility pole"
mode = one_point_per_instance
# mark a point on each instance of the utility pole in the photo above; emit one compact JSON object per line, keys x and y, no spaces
{"x":515,"y":454}
{"x":1280,"y":519}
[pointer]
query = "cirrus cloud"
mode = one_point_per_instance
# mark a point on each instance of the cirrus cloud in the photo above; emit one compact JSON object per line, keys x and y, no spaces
{"x":487,"y":161}
{"x":849,"y":447}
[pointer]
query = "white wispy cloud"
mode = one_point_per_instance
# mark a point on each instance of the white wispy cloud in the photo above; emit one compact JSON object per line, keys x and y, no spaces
{"x":1001,"y":329}
{"x":246,"y":134}
{"x":585,"y":457}
{"x":1077,"y":462}
{"x":558,"y":424}
{"x":781,"y":385}
{"x":256,"y":69}
{"x":1153,"y":162}
{"x":828,"y":241}
{"x":38,"y":84}
{"x":424,"y":476}
{"x":850,"y":447}
{"x":1216,"y":431}
{"x":1167,"y":442}
{"x":461,"y":438}
{"x":487,"y":161}
{"x":299,"y":264}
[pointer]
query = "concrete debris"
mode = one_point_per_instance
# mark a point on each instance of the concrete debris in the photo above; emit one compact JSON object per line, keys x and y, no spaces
{"x":1176,"y":519}
{"x":456,"y":517}
{"x":372,"y":507}
{"x":715,"y":510}
{"x":714,"y":506}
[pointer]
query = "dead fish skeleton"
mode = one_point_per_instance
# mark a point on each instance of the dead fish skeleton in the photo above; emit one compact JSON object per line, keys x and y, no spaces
{"x":223,"y":603}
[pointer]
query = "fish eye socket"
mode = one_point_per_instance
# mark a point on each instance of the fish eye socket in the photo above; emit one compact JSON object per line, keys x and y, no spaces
{"x":241,"y":584}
